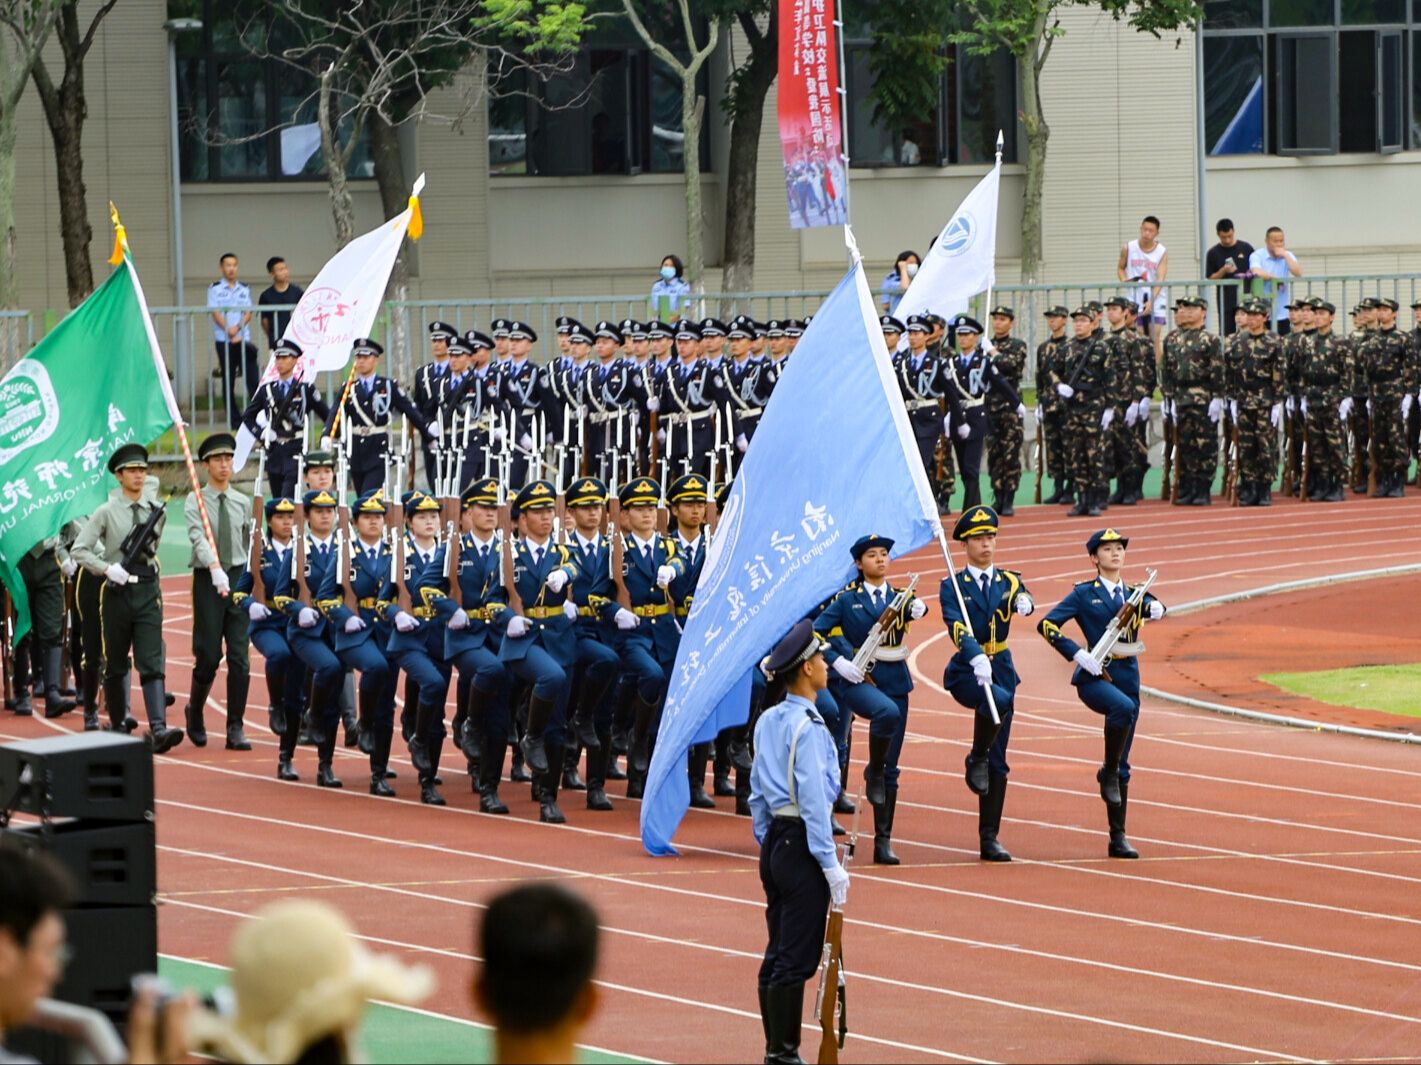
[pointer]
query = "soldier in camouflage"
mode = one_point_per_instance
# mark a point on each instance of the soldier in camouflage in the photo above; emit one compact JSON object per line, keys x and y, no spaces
{"x":1388,"y":367}
{"x":1255,"y":387}
{"x":1004,"y":443}
{"x":1144,"y":359}
{"x":1414,"y":424}
{"x":1087,"y":394}
{"x":1324,"y":381}
{"x":1296,"y":346}
{"x":1051,"y":356}
{"x":1364,"y":320}
{"x":1120,"y":438}
{"x":1192,"y":382}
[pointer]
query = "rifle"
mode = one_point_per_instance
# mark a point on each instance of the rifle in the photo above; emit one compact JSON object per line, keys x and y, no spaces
{"x":451,"y":515}
{"x":1166,"y":492}
{"x":1303,"y":493}
{"x":1356,"y":470}
{"x":1371,"y":455}
{"x":1290,"y":451}
{"x":1230,"y":485}
{"x":1111,"y":636}
{"x":505,"y":550}
{"x":142,"y":540}
{"x":1040,"y":456}
{"x":7,"y":644}
{"x":831,"y":968}
{"x":1174,"y":452}
{"x":343,"y":577}
{"x":397,"y":551}
{"x":616,"y":553}
{"x":864,"y":656}
{"x":298,"y":526}
{"x":254,"y":550}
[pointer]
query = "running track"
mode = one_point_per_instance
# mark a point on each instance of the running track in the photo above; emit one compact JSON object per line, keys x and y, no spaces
{"x":1275,"y":914}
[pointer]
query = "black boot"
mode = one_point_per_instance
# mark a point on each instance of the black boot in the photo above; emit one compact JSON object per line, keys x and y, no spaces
{"x":518,"y":771}
{"x":984,"y":734}
{"x":1068,"y":494}
{"x":1246,"y":494}
{"x":420,"y":744}
{"x":597,"y":773}
{"x":1396,"y":488}
{"x":238,"y":684}
{"x":534,"y":751}
{"x":874,"y":788}
{"x":742,"y":793}
{"x":1332,"y":493}
{"x":490,"y":774}
{"x":786,"y":1010}
{"x":1094,"y":500}
{"x":55,"y":705}
{"x":1082,"y":506}
{"x":883,"y":831}
{"x":989,"y":820}
{"x":463,"y":693}
{"x":1055,"y":496}
{"x":1118,"y":496}
{"x":1006,"y":503}
{"x":548,"y":810}
{"x":765,"y":1021}
{"x":156,"y":705}
{"x":90,"y":686}
{"x":1203,"y":492}
{"x":349,"y":724}
{"x":583,"y":725}
{"x":379,"y":757}
{"x":325,"y":755}
{"x":571,"y":779}
{"x":193,"y":713}
{"x":1109,"y":775}
{"x":429,"y":781}
{"x":1119,"y":845}
{"x":721,"y":766}
{"x":276,"y":700}
{"x":368,"y":702}
{"x":116,"y":701}
{"x":639,"y":760}
{"x":696,"y":759}
{"x":1264,"y":496}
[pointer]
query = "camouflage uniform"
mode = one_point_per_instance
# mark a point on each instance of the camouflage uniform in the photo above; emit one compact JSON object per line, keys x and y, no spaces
{"x":1254,"y":382}
{"x":1388,"y":372}
{"x":1324,"y":379}
{"x":1004,"y":443}
{"x":1088,"y":362}
{"x":1297,"y":348}
{"x":1192,"y":375}
{"x":1361,"y":430}
{"x":1051,"y":354}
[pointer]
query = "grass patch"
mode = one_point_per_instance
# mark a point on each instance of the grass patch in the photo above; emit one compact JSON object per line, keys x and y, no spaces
{"x":1390,"y":689}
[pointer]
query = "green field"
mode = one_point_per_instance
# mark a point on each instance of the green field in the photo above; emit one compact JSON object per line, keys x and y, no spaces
{"x":1390,"y":689}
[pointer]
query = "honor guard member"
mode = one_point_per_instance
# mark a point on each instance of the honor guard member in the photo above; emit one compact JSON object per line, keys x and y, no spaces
{"x":563,"y":325}
{"x":637,"y":342}
{"x":502,"y":354}
{"x":120,"y":542}
{"x":1192,"y":383}
{"x":1297,"y":345}
{"x":1390,"y":371}
{"x":564,"y":383}
{"x":687,"y":402}
{"x":540,"y":644}
{"x":1254,"y":383}
{"x":921,"y":380}
{"x":846,"y":622}
{"x":218,"y":619}
{"x":369,"y":409}
{"x":1111,"y":688}
{"x":1364,"y":319}
{"x":794,"y":329}
{"x":712,"y":346}
{"x":1325,"y":386}
{"x":427,"y":381}
{"x":792,"y":789}
{"x":44,"y":581}
{"x":1414,"y":425}
{"x":1085,"y":395}
{"x":687,"y":498}
{"x":983,"y":660}
{"x":1144,"y":377}
{"x":615,"y":387}
{"x":522,"y":396}
{"x":971,"y":376}
{"x":744,"y":380}
{"x":1004,"y":444}
{"x":1051,"y":356}
{"x":659,"y":341}
{"x":468,"y":409}
{"x":278,"y":414}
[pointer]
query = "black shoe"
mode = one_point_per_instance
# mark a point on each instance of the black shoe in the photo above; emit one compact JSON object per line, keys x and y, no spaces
{"x":615,"y":771}
{"x":874,"y":787}
{"x":992,"y":851}
{"x":365,"y":740}
{"x":534,"y":753}
{"x":1093,"y":504}
{"x":390,"y":774}
{"x":130,"y":724}
{"x":699,"y":799}
{"x":419,"y":757}
{"x":1332,"y":493}
{"x":636,"y":785}
{"x":490,"y":803}
{"x":91,"y":720}
{"x":989,"y":820}
{"x":742,"y":805}
{"x":276,"y":721}
{"x":325,"y":778}
{"x":285,"y":771}
{"x":165,"y":739}
{"x":352,"y":733}
{"x":723,"y":787}
{"x":237,"y":737}
{"x":519,"y":774}
{"x":470,"y":742}
{"x":1109,"y":781}
{"x":1117,"y":496}
{"x":976,"y":774}
{"x":740,"y":756}
{"x":550,"y":814}
{"x":1082,"y":507}
{"x":196,"y":726}
{"x":22,"y":706}
{"x":837,"y":829}
{"x":1396,"y":489}
{"x":379,"y":787}
{"x":1119,"y":844}
{"x":842,"y":805}
{"x":883,"y":832}
{"x":586,"y":730}
{"x":597,"y":799}
{"x":572,"y":780}
{"x":429,"y":795}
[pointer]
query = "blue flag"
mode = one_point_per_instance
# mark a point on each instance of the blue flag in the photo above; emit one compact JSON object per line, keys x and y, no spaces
{"x":833,"y":459}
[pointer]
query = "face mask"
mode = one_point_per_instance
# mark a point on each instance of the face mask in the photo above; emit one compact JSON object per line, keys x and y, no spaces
{"x":912,"y":269}
{"x":668,"y":272}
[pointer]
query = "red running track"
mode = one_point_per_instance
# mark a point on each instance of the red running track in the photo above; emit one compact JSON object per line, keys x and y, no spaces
{"x":1275,"y":914}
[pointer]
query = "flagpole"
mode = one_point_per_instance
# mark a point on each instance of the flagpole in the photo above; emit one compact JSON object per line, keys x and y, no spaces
{"x":993,"y":279}
{"x":843,"y":116}
{"x":962,"y":608}
{"x":344,"y":394}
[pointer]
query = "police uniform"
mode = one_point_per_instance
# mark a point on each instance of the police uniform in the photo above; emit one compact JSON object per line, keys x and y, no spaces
{"x":747,"y":383}
{"x":1192,"y":383}
{"x":1004,"y":443}
{"x":523,"y":397}
{"x":235,"y":358}
{"x":991,"y":597}
{"x":277,"y":414}
{"x":366,"y":414}
{"x":468,"y":410}
{"x":1115,"y":694}
{"x":970,"y":378}
{"x":688,"y":397}
{"x":614,"y":392}
{"x":427,"y":380}
{"x":655,"y":369}
{"x":921,"y":380}
{"x":563,"y":383}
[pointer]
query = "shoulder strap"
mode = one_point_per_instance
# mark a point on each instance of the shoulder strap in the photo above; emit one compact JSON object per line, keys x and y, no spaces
{"x":793,"y":750}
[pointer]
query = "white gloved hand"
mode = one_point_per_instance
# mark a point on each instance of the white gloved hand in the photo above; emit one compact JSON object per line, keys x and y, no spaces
{"x":845,"y":668}
{"x":1303,"y":405}
{"x":1275,"y":416}
{"x":1170,"y":410}
{"x":1406,"y":402}
{"x":1106,"y":417}
{"x":268,"y":435}
{"x":1289,"y":406}
{"x":625,"y":619}
{"x":569,"y":610}
{"x":946,"y":424}
{"x":838,"y":878}
{"x":964,"y":431}
{"x":436,"y":429}
{"x":653,"y":404}
{"x":1156,"y":610}
{"x":1065,"y":391}
{"x":661,"y":436}
{"x":306,"y":618}
{"x":525,"y":442}
{"x":1086,"y":662}
{"x":353,"y":624}
{"x":1021,"y":410}
{"x":1216,"y":409}
{"x":982,"y":668}
{"x":741,"y":443}
{"x":1344,"y":409}
{"x":1233,"y":409}
{"x":518,"y":626}
{"x":917,"y":610}
{"x":1024,"y":605}
{"x":1132,"y":414}
{"x":664,"y":576}
{"x":557,"y":580}
{"x":325,"y":443}
{"x":69,"y":567}
{"x":1145,"y":408}
{"x":117,"y":574}
{"x":220,"y":581}
{"x":1369,"y":408}
{"x":459,"y":619}
{"x":1038,"y":414}
{"x":497,"y":435}
{"x":258,"y":611}
{"x":406,"y":622}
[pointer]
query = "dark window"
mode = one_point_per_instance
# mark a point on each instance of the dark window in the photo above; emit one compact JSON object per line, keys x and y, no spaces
{"x":1232,"y":14}
{"x":1304,"y":116}
{"x":984,"y":102}
{"x":1233,"y":98}
{"x":1370,"y":12}
{"x":872,"y":142}
{"x":1300,"y":12}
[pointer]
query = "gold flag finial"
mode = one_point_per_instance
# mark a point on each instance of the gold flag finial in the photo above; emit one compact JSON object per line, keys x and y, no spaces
{"x":120,"y":237}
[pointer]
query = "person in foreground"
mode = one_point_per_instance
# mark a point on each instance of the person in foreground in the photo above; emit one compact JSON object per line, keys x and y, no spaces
{"x":793,"y":784}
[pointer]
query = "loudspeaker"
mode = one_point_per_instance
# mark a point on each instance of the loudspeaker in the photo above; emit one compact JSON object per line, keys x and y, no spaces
{"x":111,"y":945}
{"x":112,"y":864}
{"x":100,"y":775}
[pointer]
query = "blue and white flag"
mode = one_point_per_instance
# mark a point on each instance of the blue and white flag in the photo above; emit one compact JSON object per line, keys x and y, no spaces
{"x":833,"y":459}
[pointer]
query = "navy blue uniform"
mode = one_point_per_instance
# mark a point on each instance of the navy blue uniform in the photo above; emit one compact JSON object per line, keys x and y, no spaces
{"x":284,"y":676}
{"x":523,"y":393}
{"x":921,"y":380}
{"x":969,"y":378}
{"x":286,"y":405}
{"x":747,"y":383}
{"x":428,"y":380}
{"x":312,"y":645}
{"x":614,"y":392}
{"x":473,"y":649}
{"x":689,"y":394}
{"x":369,"y":408}
{"x":468,"y":407}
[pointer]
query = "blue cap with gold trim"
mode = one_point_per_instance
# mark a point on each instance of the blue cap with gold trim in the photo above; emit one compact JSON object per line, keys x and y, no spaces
{"x":319,"y":497}
{"x":279,"y":506}
{"x":640,"y":492}
{"x":483,"y":492}
{"x":536,"y":495}
{"x":417,"y":502}
{"x":1105,"y":536}
{"x":868,"y":543}
{"x":975,"y":521}
{"x":688,"y":488}
{"x":371,"y":503}
{"x":585,"y":492}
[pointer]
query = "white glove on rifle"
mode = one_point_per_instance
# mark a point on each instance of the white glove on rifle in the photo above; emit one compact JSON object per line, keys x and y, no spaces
{"x":1021,"y":410}
{"x":117,"y":574}
{"x":1275,"y":416}
{"x":1106,"y":417}
{"x":1344,"y":409}
{"x":1156,"y":610}
{"x":661,"y":436}
{"x":220,"y":581}
{"x":664,"y":576}
{"x":325,"y":443}
{"x":1038,"y":414}
{"x":459,"y":619}
{"x":306,"y":618}
{"x":946,"y":424}
{"x":569,"y":610}
{"x":838,"y":878}
{"x":1065,"y":391}
{"x":1233,"y":409}
{"x":353,"y":624}
{"x":1289,"y":406}
{"x":982,"y":668}
{"x":625,"y":619}
{"x":653,"y":404}
{"x":497,"y":435}
{"x":741,"y":443}
{"x":69,"y":567}
{"x":1169,"y":410}
{"x":964,"y":431}
{"x":1024,"y":606}
{"x":1303,"y":405}
{"x":525,"y":442}
{"x":1216,"y":409}
{"x":1144,"y":408}
{"x":557,"y":580}
{"x":1132,"y":414}
{"x":1086,"y":662}
{"x":1406,"y":402}
{"x":518,"y":626}
{"x":917,"y":610}
{"x":1369,"y":408}
{"x":258,"y":611}
{"x":406,"y":622}
{"x":845,"y":668}
{"x":436,"y":429}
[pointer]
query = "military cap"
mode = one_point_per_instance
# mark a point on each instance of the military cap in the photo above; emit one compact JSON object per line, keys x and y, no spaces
{"x":1003,"y":310}
{"x":1296,"y":305}
{"x":1105,"y":536}
{"x":579,"y":334}
{"x":128,"y":457}
{"x":937,"y":321}
{"x":1081,"y":312}
{"x":458,"y":347}
{"x":536,"y":495}
{"x":366,"y":346}
{"x":1368,"y":303}
{"x":640,"y":492}
{"x":1317,"y":303}
{"x":586,"y":491}
{"x":866,"y":543}
{"x":795,"y":648}
{"x":418,"y":502}
{"x":685,"y":329}
{"x":1359,"y":308}
{"x":286,"y":349}
{"x":608,"y":329}
{"x":761,"y":329}
{"x":1057,"y":312}
{"x":712,"y":327}
{"x":1387,"y":302}
{"x":807,"y":319}
{"x":1416,"y":303}
{"x":632,"y":329}
{"x":482,"y":492}
{"x":975,"y":521}
{"x":1192,"y":301}
{"x":279,"y":506}
{"x":217,"y":444}
{"x":1255,"y":306}
{"x":741,"y":327}
{"x":657,"y":330}
{"x":1123,"y":302}
{"x":918,"y":323}
{"x":498,"y":328}
{"x":774,"y":328}
{"x":474,"y":340}
{"x":1095,"y":306}
{"x":371,"y":503}
{"x":314,"y":460}
{"x":966,"y":324}
{"x":795,"y":327}
{"x":890,"y":324}
{"x":319,"y":498}
{"x":722,"y":494}
{"x":521,"y":331}
{"x":442,"y":331}
{"x":564,"y":323}
{"x":688,"y":488}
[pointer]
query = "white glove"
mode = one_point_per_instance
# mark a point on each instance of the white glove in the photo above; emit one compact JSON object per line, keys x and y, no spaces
{"x":1303,"y":405}
{"x":1145,"y":408}
{"x":661,"y":436}
{"x":220,"y":580}
{"x":325,"y":443}
{"x":518,"y":626}
{"x":306,"y":618}
{"x":917,"y":610}
{"x":268,"y":435}
{"x":459,"y":619}
{"x":353,"y":624}
{"x":258,"y":611}
{"x":838,"y":878}
{"x":741,"y":443}
{"x":1024,"y":606}
{"x":1086,"y":662}
{"x":69,"y":567}
{"x":1369,"y":408}
{"x":653,"y":404}
{"x":1107,"y":417}
{"x":569,"y":610}
{"x":497,"y":435}
{"x":982,"y":667}
{"x":117,"y":574}
{"x":1406,"y":402}
{"x":436,"y":429}
{"x":664,"y":576}
{"x":557,"y":580}
{"x":1065,"y":391}
{"x":1170,"y":410}
{"x":1288,"y":405}
{"x":1344,"y":409}
{"x":1276,"y":415}
{"x":405,"y":622}
{"x":625,"y":619}
{"x":1156,"y":610}
{"x":525,"y":442}
{"x":1132,"y":414}
{"x":1216,"y":409}
{"x":964,"y":431}
{"x":1037,"y":412}
{"x":1021,"y":410}
{"x":845,"y":668}
{"x":946,"y":424}
{"x":1233,"y":409}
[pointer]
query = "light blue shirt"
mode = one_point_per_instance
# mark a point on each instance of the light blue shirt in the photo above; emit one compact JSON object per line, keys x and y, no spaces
{"x":1277,"y":291}
{"x":816,"y":774}
{"x":893,"y":291}
{"x":222,"y":296}
{"x":670,"y":299}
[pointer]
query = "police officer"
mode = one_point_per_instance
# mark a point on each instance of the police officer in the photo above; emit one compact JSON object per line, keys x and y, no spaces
{"x":971,"y":375}
{"x":1254,"y":383}
{"x":1192,"y":383}
{"x":1004,"y":444}
{"x":522,"y":397}
{"x":278,"y":413}
{"x":1391,"y":376}
{"x":712,"y":343}
{"x":983,"y":663}
{"x":120,"y":542}
{"x":563,"y":384}
{"x":1051,"y":408}
{"x":1111,"y":688}
{"x":746,"y":382}
{"x":615,"y":387}
{"x":792,"y":787}
{"x":468,"y":411}
{"x":427,"y":385}
{"x":366,"y":412}
{"x":921,"y":381}
{"x":687,"y":400}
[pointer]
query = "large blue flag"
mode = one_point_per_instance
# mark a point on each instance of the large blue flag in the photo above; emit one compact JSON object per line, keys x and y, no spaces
{"x":832,"y":460}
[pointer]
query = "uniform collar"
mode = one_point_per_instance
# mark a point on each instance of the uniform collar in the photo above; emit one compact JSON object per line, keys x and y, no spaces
{"x":689,"y":545}
{"x":976,"y":574}
{"x":482,"y":544}
{"x":640,"y":543}
{"x":1110,"y":586}
{"x":583,"y":541}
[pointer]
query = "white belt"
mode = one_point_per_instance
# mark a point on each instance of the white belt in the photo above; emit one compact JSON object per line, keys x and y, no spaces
{"x":1128,"y":650}
{"x":371,"y":430}
{"x":749,"y":412}
{"x":785,"y":811}
{"x":964,"y":401}
{"x":891,"y":654}
{"x":695,"y":417}
{"x":921,"y":404}
{"x":606,"y":416}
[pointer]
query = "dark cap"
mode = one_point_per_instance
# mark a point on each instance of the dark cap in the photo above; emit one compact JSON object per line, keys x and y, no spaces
{"x":797,"y":647}
{"x":1387,"y":302}
{"x":1317,"y":303}
{"x":482,"y":492}
{"x":318,"y":459}
{"x":563,"y":324}
{"x":775,"y":328}
{"x":442,"y":331}
{"x":890,"y":324}
{"x":458,"y":347}
{"x":279,"y":506}
{"x":1083,"y":311}
{"x":286,"y":349}
{"x":741,"y":328}
{"x":371,"y":503}
{"x":1192,"y":301}
{"x":1123,"y":302}
{"x":657,"y":330}
{"x":1094,"y":306}
{"x":632,"y":329}
{"x":975,"y":521}
{"x":521,"y":331}
{"x":498,"y":328}
{"x":688,"y":488}
{"x":640,"y":492}
{"x":685,"y":329}
{"x":867,"y":543}
{"x":366,"y":346}
{"x":1255,"y":306}
{"x":215,"y":445}
{"x":586,"y":491}
{"x":918,"y":323}
{"x":579,"y":333}
{"x":129,"y":456}
{"x":1003,"y":310}
{"x":474,"y":340}
{"x":537,"y":495}
{"x":966,"y":324}
{"x":712,"y":327}
{"x":1368,"y":303}
{"x":319,"y":498}
{"x":1105,"y":536}
{"x":1057,"y":312}
{"x":609,"y":330}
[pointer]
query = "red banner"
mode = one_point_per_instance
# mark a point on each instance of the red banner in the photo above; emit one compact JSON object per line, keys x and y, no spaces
{"x":811,"y":129}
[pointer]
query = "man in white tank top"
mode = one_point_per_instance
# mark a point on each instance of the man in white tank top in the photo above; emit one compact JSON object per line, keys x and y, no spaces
{"x":1147,"y":260}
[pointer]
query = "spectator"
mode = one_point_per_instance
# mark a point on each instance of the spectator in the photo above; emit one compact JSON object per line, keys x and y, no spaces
{"x":539,"y":945}
{"x":897,"y":280}
{"x":1146,"y":259}
{"x":1271,"y":266}
{"x":280,"y":293}
{"x":670,"y":294}
{"x":34,"y":891}
{"x":230,"y":302}
{"x":1228,"y":261}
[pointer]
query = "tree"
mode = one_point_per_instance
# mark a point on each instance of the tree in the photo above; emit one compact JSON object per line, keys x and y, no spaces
{"x":744,"y":105}
{"x":65,"y":109}
{"x":25,"y":26}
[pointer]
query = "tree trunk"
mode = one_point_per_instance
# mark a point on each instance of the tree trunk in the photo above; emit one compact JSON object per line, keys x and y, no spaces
{"x":1037,"y":135}
{"x":394,"y":198}
{"x":66,"y":127}
{"x":9,"y":136}
{"x":691,"y":108}
{"x":738,"y":262}
{"x":335,"y":156}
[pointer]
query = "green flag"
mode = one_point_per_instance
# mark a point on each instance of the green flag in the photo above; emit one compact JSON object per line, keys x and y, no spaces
{"x":90,"y":386}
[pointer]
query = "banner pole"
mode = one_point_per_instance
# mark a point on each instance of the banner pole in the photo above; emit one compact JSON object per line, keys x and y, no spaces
{"x":843,"y":90}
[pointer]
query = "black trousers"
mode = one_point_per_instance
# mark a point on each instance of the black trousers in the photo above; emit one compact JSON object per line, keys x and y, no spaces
{"x":281,"y":463}
{"x":237,"y":358}
{"x":796,"y":904}
{"x":969,"y":456}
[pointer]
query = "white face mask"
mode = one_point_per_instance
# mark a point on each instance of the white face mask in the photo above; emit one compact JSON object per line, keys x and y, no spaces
{"x":912,"y":269}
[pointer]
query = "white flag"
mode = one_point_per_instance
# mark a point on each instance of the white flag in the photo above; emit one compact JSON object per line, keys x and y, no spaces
{"x":340,"y":305}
